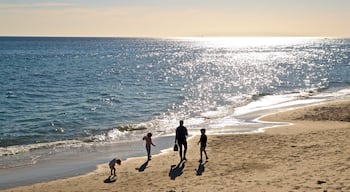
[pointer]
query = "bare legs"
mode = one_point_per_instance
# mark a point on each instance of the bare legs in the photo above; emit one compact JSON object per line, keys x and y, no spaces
{"x":148,"y":148}
{"x":201,"y":152}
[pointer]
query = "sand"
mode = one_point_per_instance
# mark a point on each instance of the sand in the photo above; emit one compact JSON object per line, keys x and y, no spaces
{"x":312,"y":154}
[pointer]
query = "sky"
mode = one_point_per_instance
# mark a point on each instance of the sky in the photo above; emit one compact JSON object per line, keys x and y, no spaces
{"x":175,"y":18}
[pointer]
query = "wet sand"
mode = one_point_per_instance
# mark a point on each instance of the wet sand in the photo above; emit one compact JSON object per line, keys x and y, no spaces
{"x":311,"y":154}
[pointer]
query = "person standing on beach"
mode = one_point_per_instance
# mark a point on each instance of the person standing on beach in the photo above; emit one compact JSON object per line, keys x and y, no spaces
{"x":148,"y":139}
{"x":112,"y":165}
{"x":203,"y":142}
{"x":181,"y":139}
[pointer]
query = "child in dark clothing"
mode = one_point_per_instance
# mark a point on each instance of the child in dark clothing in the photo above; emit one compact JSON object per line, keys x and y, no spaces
{"x":203,"y":142}
{"x":112,"y":165}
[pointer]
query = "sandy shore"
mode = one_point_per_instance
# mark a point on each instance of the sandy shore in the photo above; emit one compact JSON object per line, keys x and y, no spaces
{"x":312,"y":154}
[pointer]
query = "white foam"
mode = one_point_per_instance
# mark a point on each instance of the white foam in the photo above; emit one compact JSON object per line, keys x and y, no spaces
{"x":337,"y":94}
{"x":228,"y":121}
{"x":115,"y":134}
{"x":12,"y":150}
{"x":265,"y":103}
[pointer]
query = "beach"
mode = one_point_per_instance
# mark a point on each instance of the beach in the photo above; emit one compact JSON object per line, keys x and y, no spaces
{"x":310,"y":154}
{"x":82,"y":101}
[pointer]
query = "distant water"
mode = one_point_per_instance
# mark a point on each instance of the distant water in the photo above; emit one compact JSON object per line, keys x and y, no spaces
{"x":58,"y":92}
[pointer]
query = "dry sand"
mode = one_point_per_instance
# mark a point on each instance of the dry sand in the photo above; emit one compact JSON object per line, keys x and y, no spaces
{"x":313,"y":154}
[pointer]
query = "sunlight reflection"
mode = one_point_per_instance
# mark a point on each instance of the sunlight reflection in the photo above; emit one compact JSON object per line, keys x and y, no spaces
{"x":248,"y":41}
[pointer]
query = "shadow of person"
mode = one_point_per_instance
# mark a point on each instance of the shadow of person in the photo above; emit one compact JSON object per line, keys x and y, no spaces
{"x":110,"y":179}
{"x":176,"y":170}
{"x":201,"y":168}
{"x":142,"y":167}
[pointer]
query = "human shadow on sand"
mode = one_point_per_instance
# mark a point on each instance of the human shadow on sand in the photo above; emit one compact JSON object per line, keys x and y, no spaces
{"x":201,"y":168}
{"x":111,"y":179}
{"x":176,"y":170}
{"x":142,"y":167}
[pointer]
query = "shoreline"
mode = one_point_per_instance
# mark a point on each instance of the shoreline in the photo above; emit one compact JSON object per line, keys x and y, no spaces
{"x":72,"y":165}
{"x":310,"y":154}
{"x":82,"y":160}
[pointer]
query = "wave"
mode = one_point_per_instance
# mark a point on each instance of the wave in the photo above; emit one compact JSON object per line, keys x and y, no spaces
{"x":117,"y":134}
{"x":216,"y":119}
{"x":13,"y":150}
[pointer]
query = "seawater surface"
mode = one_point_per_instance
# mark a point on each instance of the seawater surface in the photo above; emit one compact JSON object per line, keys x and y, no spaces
{"x":59,"y":95}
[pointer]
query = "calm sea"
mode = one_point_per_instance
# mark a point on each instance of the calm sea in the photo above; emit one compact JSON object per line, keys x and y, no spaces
{"x":59,"y":92}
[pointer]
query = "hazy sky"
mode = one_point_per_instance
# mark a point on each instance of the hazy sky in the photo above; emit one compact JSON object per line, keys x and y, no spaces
{"x":175,"y":18}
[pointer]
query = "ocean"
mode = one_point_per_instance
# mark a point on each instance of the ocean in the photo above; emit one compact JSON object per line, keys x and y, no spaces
{"x":85,"y":96}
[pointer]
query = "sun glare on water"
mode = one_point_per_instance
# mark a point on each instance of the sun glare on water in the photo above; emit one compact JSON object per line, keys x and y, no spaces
{"x":247,"y":41}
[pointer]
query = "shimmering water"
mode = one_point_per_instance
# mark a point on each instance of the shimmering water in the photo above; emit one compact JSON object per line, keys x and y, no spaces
{"x":65,"y":91}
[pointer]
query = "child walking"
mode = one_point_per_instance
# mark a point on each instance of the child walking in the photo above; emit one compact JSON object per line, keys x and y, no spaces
{"x":148,"y":139}
{"x":203,"y":142}
{"x":112,"y":165}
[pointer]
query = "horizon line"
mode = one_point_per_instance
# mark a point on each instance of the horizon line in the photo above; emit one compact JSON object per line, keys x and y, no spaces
{"x":181,"y":37}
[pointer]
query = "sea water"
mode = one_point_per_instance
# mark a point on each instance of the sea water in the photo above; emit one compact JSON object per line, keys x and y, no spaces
{"x":59,"y":95}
